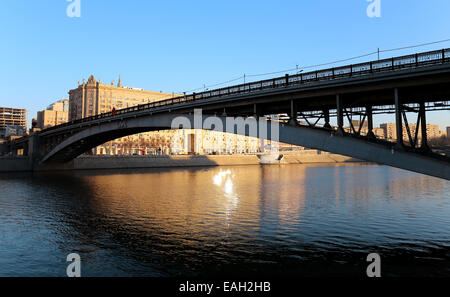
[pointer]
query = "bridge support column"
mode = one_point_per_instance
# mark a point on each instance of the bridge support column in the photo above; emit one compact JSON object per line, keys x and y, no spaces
{"x":33,"y":150}
{"x":257,"y":112}
{"x":13,"y":149}
{"x":26,"y":149}
{"x":326,"y":116}
{"x":4,"y":148}
{"x":293,"y":114}
{"x":398,"y":120}
{"x":423,"y":127}
{"x":340,"y":114}
{"x":369,"y":113}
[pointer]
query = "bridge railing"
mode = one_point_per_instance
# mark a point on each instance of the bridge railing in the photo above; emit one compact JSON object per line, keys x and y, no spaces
{"x":354,"y":70}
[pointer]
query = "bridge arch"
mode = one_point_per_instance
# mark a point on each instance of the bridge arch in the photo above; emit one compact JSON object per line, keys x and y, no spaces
{"x":96,"y":135}
{"x":324,"y":140}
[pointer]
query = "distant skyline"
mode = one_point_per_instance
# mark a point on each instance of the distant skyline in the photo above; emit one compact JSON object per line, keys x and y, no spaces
{"x":176,"y":46}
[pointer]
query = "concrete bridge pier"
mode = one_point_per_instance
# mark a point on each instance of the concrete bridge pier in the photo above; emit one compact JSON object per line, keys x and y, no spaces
{"x":33,"y":150}
{"x":4,"y":148}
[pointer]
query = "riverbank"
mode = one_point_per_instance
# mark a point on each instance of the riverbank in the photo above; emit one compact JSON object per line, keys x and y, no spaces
{"x":18,"y":164}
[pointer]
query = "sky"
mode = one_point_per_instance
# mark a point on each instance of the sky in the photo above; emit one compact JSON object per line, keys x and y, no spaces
{"x":176,"y":46}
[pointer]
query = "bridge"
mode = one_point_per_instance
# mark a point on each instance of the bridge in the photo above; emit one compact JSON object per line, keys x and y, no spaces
{"x":415,"y":84}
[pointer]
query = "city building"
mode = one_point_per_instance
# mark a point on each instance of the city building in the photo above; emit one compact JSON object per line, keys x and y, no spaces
{"x":390,"y":131}
{"x":61,"y":105}
{"x":56,"y":113}
{"x":432,"y":131}
{"x":448,"y":132}
{"x":92,"y":98}
{"x":13,"y":122}
{"x":357,"y":123}
{"x":378,"y":132}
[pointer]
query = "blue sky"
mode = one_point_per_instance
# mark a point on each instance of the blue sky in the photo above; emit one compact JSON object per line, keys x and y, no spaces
{"x":172,"y":46}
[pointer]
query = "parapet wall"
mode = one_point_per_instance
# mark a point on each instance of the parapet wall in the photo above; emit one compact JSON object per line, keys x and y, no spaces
{"x":16,"y":164}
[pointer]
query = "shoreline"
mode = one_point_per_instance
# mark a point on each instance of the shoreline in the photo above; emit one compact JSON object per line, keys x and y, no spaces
{"x":22,"y":164}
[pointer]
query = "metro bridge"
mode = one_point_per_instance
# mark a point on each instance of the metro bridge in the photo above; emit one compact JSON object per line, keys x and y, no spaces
{"x":417,"y":83}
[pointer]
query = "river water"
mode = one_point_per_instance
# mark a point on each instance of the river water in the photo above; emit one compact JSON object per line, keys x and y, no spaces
{"x":290,"y":220}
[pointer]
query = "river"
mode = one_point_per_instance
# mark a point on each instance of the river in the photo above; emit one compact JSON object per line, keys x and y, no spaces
{"x":288,"y":220}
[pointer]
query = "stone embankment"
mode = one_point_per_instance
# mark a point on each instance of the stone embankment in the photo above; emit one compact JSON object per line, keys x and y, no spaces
{"x":18,"y":164}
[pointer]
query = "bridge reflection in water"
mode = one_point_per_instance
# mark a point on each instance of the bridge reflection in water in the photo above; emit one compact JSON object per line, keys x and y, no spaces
{"x":271,"y":220}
